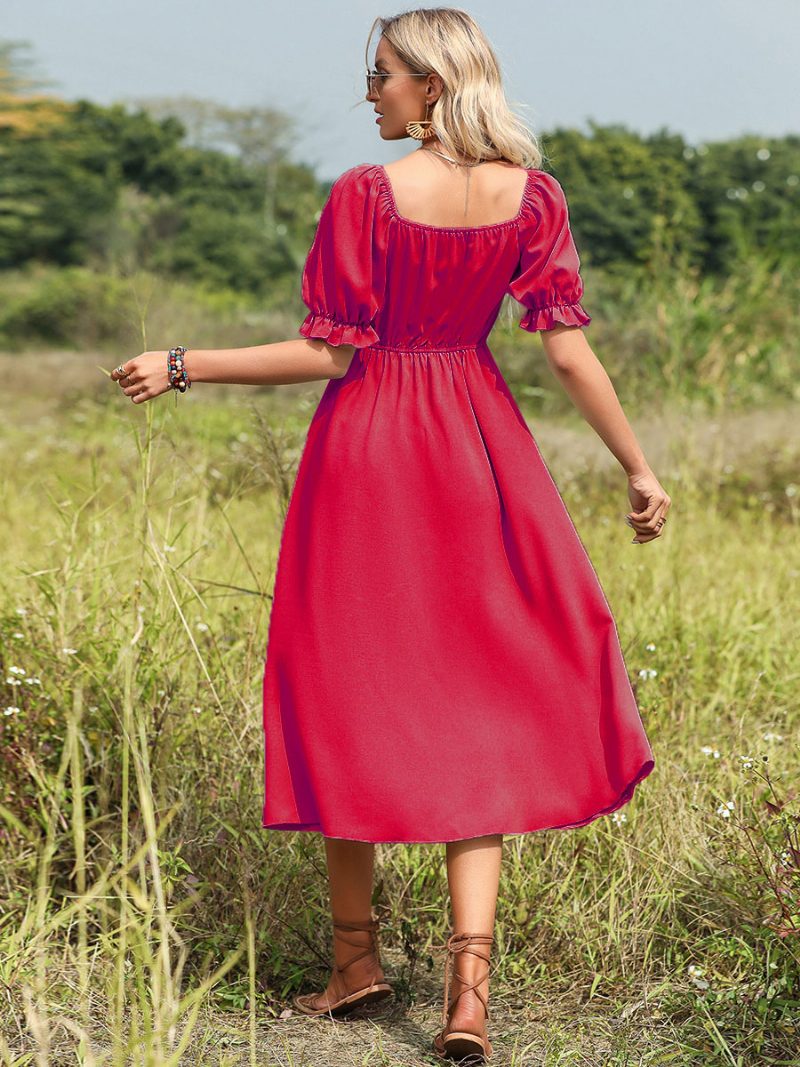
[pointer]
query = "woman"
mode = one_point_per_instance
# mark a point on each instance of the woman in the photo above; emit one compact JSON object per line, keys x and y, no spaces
{"x":442,"y":664}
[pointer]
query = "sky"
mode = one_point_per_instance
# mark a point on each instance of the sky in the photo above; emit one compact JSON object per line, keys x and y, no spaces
{"x":706,"y":69}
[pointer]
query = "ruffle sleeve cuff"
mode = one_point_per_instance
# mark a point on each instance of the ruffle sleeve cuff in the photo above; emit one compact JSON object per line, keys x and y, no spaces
{"x":319,"y":324}
{"x":545,"y":318}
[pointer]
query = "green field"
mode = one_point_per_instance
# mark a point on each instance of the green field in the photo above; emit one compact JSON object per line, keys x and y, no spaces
{"x":146,"y":916}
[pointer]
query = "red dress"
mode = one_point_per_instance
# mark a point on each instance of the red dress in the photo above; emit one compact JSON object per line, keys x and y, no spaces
{"x":441,"y":660}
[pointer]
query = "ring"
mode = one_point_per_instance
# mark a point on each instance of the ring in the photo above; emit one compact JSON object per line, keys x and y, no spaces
{"x":121,"y":370}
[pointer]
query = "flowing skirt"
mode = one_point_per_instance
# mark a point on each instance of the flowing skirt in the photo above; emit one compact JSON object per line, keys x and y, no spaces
{"x":441,"y":660}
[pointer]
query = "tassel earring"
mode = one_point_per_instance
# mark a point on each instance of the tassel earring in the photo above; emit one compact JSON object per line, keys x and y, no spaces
{"x":421,"y":130}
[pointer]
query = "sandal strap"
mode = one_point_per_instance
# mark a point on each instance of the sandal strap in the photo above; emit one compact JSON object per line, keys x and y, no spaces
{"x":370,"y":925}
{"x":459,"y":943}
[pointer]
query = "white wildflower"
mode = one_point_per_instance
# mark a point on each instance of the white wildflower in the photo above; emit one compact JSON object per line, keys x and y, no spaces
{"x":707,"y":750}
{"x":647,"y":672}
{"x":17,"y":670}
{"x":12,"y":709}
{"x":69,"y":651}
{"x":696,"y":976}
{"x":770,"y":736}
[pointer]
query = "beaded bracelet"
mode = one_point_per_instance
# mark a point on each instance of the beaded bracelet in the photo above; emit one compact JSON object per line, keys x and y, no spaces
{"x":176,"y":369}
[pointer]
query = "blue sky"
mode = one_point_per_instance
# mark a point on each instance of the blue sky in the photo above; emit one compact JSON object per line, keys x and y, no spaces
{"x":708,"y":69}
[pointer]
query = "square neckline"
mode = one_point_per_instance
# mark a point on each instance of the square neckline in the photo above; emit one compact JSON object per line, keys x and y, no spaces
{"x":452,"y":229}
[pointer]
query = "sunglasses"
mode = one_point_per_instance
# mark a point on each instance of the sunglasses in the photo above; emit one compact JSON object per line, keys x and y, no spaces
{"x":373,"y":75}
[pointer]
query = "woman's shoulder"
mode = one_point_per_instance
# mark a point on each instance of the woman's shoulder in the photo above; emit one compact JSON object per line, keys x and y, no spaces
{"x":544,"y":183}
{"x":359,"y":175}
{"x":544,"y":197}
{"x":355,"y":185}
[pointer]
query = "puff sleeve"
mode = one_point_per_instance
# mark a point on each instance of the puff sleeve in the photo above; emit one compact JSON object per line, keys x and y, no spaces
{"x":547,"y":279}
{"x":343,"y":276}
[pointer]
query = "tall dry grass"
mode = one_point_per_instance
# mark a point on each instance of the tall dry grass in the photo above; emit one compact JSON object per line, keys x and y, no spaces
{"x":146,"y":916}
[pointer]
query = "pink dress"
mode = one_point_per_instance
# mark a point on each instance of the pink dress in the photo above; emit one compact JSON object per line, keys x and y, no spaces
{"x":441,"y":660}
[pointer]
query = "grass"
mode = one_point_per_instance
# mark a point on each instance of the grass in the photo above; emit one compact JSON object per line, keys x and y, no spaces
{"x":146,"y":916}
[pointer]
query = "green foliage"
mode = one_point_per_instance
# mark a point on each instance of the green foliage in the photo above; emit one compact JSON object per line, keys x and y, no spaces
{"x":71,"y":184}
{"x":720,"y":342}
{"x":748,"y":192}
{"x":147,"y":153}
{"x":78,"y":308}
{"x":57,"y":189}
{"x":69,"y":188}
{"x":213,"y":247}
{"x":71,"y":307}
{"x":622,"y":190}
{"x":656,"y":199}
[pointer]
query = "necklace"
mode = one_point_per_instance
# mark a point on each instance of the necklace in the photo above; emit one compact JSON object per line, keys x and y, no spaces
{"x":450,"y":159}
{"x":458,"y":164}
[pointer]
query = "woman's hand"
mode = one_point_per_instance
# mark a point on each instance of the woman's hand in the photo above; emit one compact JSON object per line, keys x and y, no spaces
{"x":651,"y":504}
{"x":143,"y":377}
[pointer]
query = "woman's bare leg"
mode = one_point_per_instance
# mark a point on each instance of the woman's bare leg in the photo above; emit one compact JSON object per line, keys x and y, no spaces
{"x":350,"y":871}
{"x":473,"y":875}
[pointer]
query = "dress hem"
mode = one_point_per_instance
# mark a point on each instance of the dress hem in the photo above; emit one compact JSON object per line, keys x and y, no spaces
{"x":622,"y":798}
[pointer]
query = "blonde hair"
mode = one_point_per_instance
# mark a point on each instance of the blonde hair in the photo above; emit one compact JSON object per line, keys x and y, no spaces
{"x":472,"y":117}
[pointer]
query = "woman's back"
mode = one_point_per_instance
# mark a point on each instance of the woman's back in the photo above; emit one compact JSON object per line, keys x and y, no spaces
{"x":436,"y":195}
{"x":376,"y":275}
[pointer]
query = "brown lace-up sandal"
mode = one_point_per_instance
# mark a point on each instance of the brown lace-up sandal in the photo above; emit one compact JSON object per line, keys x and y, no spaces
{"x":461,"y":1044}
{"x":345,"y":1000}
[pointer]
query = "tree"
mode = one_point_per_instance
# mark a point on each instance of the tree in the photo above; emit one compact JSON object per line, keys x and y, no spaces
{"x":26,"y":112}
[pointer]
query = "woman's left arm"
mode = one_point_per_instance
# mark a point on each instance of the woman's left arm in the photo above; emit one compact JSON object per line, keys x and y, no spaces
{"x":587,"y":384}
{"x":589,"y":387}
{"x":280,"y":363}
